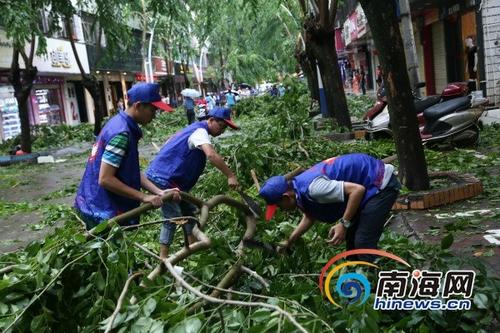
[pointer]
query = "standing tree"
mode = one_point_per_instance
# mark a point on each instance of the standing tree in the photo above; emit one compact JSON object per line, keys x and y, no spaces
{"x":381,"y":15}
{"x":109,"y":22}
{"x":20,"y":20}
{"x":319,"y":30}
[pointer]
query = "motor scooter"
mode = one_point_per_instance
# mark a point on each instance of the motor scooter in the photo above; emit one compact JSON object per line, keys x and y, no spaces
{"x":450,"y":116}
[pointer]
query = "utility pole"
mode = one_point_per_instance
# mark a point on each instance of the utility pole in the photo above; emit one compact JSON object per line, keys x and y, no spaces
{"x":409,"y":44}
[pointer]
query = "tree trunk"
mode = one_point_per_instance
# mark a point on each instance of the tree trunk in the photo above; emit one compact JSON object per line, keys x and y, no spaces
{"x":321,"y":43}
{"x":92,"y":85}
{"x":22,"y":81}
{"x":221,"y":71}
{"x":88,"y":81}
{"x":381,"y":15}
{"x":309,"y":70}
{"x":185,"y":66}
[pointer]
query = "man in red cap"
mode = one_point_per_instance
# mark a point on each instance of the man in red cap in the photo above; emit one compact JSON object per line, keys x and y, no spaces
{"x":180,"y":163}
{"x":355,"y":189}
{"x":112,"y":180}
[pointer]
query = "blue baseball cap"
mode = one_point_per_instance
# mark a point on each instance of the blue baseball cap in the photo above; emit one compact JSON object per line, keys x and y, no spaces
{"x":224,"y":114}
{"x":147,"y":93}
{"x":272,"y":191}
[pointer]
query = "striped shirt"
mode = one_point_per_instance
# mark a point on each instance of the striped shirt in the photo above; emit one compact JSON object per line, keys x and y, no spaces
{"x":116,"y":150}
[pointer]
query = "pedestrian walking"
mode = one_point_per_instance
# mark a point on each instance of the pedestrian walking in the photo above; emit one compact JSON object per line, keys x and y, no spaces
{"x":379,"y":76}
{"x":112,"y":180}
{"x":120,"y":106}
{"x":189,"y":106}
{"x":210,"y":101}
{"x":230,"y":99}
{"x":180,"y":163}
{"x":355,"y":189}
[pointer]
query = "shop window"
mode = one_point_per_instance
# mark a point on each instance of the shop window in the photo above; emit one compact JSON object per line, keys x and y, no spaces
{"x":47,"y":104}
{"x":9,"y":113}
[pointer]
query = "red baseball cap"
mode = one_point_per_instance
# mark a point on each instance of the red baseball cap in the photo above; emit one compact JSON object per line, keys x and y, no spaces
{"x":224,"y":114}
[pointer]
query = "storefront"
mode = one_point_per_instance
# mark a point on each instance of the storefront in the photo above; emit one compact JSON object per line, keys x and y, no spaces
{"x":359,"y":51}
{"x":53,"y":100}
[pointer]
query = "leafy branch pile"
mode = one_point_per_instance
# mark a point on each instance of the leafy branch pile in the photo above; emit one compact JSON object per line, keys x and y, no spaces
{"x":45,"y":137}
{"x":67,"y":282}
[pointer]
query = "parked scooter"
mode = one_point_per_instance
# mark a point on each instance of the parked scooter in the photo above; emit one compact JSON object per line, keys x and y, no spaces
{"x":201,"y":110}
{"x":451,"y":116}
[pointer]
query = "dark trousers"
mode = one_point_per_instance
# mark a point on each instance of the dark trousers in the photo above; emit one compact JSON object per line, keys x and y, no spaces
{"x":368,"y":224}
{"x":190,"y":116}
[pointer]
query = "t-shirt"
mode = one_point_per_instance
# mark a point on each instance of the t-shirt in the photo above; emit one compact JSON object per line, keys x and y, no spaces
{"x":198,"y":137}
{"x":188,"y":103}
{"x":325,"y":190}
{"x":230,"y":99}
{"x":115,"y":150}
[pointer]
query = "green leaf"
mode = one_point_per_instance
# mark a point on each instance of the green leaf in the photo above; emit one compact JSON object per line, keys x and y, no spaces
{"x":481,"y":300}
{"x":113,"y":257}
{"x":149,"y":307}
{"x":261,"y":315}
{"x":188,"y":325}
{"x":39,"y":323}
{"x":3,"y":308}
{"x":100,"y":228}
{"x":447,"y":241}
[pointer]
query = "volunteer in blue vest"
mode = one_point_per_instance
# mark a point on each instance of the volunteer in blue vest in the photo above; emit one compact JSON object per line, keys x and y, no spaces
{"x":112,"y":180}
{"x":354,"y":191}
{"x":180,"y":163}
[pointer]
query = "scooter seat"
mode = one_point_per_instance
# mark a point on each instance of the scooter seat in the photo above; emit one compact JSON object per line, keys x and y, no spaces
{"x":442,"y":109}
{"x":424,"y":103}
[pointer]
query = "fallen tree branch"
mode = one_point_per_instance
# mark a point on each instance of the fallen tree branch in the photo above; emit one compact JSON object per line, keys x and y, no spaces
{"x":255,"y":180}
{"x":7,"y":269}
{"x":302,"y":149}
{"x":390,"y":159}
{"x":202,"y":243}
{"x":255,"y":276}
{"x":229,"y":291}
{"x":120,"y":301}
{"x":137,"y":226}
{"x":231,"y":302}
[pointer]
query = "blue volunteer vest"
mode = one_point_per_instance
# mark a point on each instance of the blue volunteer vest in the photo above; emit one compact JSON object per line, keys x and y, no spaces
{"x":92,"y":199}
{"x":176,"y":165}
{"x":354,"y":168}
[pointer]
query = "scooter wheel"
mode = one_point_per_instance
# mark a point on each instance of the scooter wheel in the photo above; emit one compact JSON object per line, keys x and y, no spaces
{"x":467,"y":138}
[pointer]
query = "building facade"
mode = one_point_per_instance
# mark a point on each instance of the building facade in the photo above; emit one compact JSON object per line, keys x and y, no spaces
{"x":456,"y":40}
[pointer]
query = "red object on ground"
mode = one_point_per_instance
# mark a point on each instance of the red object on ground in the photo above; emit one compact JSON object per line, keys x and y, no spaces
{"x":20,"y":152}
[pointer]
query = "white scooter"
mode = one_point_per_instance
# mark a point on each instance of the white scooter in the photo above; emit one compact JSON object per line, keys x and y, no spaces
{"x":454,"y":120}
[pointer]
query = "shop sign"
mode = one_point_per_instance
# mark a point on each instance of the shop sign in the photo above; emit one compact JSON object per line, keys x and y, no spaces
{"x":350,"y":30}
{"x":142,"y":77}
{"x":159,"y":66}
{"x":361,"y":21}
{"x":355,"y":26}
{"x":457,"y":7}
{"x":60,"y":58}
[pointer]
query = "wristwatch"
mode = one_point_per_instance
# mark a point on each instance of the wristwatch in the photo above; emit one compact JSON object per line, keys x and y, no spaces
{"x":345,"y":223}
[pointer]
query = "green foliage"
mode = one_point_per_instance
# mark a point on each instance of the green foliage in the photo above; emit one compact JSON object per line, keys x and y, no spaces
{"x":359,"y":105}
{"x":46,"y":137}
{"x":65,"y":283}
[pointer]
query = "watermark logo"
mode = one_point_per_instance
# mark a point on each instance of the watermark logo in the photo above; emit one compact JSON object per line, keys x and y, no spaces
{"x":397,"y":289}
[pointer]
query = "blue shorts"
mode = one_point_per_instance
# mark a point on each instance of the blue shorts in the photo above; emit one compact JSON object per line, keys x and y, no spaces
{"x":172,"y":209}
